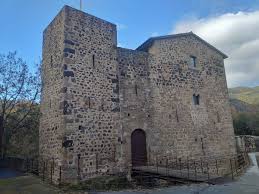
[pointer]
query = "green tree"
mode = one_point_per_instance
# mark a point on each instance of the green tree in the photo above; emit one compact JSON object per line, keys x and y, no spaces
{"x":246,"y":123}
{"x":24,"y":142}
{"x":18,"y":87}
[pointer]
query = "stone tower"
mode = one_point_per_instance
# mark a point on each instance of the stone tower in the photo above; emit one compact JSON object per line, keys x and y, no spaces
{"x":106,"y":108}
{"x":80,"y":102}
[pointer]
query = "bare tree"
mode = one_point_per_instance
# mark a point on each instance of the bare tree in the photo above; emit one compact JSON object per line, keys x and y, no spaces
{"x":18,"y":87}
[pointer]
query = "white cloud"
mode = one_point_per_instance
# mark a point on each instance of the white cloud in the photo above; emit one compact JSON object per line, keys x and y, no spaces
{"x":237,"y":35}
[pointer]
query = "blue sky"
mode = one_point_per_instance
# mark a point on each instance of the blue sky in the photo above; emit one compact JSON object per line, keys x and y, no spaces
{"x":23,"y":21}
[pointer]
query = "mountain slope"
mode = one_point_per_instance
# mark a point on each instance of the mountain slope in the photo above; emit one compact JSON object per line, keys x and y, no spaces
{"x":245,"y":94}
{"x":241,"y":106}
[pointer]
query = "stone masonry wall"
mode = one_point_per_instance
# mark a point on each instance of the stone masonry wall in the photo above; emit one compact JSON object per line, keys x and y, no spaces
{"x":91,"y":94}
{"x":134,"y":97}
{"x":157,"y":90}
{"x":51,"y":122}
{"x":185,"y":129}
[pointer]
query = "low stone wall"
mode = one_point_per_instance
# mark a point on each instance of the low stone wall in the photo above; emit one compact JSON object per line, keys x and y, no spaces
{"x":257,"y":159}
{"x":246,"y":143}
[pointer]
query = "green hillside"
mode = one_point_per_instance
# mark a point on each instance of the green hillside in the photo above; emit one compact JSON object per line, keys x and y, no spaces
{"x":245,"y":94}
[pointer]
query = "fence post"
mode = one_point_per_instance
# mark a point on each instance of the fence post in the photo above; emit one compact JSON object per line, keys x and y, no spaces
{"x":96,"y":162}
{"x":59,"y":175}
{"x":27,"y":164}
{"x":78,"y":166}
{"x":166,"y":167}
{"x":31,"y":165}
{"x":195,"y":171}
{"x":217,"y":167}
{"x":201,"y":166}
{"x":208,"y":170}
{"x":188,"y":168}
{"x":231,"y":169}
{"x":236,"y":165}
{"x":43,"y":173}
{"x":50,"y":172}
{"x":156,"y":165}
{"x":180,"y":167}
{"x":46,"y":170}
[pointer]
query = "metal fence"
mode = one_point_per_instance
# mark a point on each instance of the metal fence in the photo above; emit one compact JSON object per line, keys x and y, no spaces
{"x":206,"y":169}
{"x":174,"y":170}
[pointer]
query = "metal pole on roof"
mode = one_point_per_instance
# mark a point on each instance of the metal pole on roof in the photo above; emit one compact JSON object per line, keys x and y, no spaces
{"x":81,"y":5}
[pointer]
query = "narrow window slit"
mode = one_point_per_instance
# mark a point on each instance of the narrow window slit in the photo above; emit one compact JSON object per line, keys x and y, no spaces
{"x":93,"y":61}
{"x":176,"y":115}
{"x":89,"y":102}
{"x":218,"y":117}
{"x":196,"y":99}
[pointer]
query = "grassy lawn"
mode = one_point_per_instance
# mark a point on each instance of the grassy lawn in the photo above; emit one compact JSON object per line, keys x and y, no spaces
{"x":26,"y":185}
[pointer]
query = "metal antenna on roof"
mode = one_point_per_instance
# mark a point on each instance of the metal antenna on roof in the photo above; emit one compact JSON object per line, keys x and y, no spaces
{"x":81,"y":5}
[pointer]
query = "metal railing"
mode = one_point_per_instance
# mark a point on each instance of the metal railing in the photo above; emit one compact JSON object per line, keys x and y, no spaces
{"x":204,"y":169}
{"x":178,"y":170}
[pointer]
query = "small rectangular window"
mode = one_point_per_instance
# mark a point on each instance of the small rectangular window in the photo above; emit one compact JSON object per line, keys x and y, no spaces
{"x":196,"y":99}
{"x":193,"y":61}
{"x":93,"y":61}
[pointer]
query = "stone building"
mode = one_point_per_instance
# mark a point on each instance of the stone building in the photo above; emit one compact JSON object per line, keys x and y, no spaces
{"x":106,"y":108}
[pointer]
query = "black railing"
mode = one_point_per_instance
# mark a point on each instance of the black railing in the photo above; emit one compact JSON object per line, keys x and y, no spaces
{"x":180,"y":170}
{"x":193,"y":169}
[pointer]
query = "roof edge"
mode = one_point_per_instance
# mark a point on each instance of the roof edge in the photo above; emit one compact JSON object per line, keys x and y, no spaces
{"x":148,"y":43}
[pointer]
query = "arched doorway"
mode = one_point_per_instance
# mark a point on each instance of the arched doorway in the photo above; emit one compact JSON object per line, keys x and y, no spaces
{"x":138,"y":148}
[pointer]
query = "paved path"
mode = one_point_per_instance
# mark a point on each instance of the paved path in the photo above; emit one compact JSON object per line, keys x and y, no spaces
{"x":248,"y":183}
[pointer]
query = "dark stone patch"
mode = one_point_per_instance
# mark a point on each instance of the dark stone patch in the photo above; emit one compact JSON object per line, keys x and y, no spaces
{"x":67,"y":143}
{"x":115,"y":80}
{"x":69,"y":120}
{"x":66,"y":111}
{"x":115,"y":99}
{"x":79,"y":116}
{"x":63,"y":90}
{"x":69,"y":42}
{"x":69,"y":74}
{"x":116,"y":89}
{"x":69,"y":50}
{"x":123,"y":74}
{"x":117,"y":109}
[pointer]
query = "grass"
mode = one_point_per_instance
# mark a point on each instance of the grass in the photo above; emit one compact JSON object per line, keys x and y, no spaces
{"x":27,"y":185}
{"x":105,"y":183}
{"x":30,"y":184}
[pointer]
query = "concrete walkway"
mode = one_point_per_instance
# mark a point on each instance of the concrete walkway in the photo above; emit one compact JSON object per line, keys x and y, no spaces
{"x":248,"y":183}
